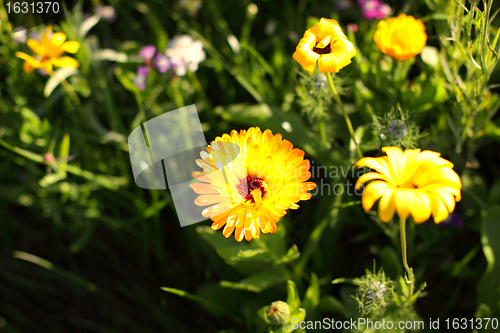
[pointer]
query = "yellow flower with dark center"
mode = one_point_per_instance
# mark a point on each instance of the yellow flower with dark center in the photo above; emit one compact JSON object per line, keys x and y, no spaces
{"x":325,"y":44}
{"x":268,"y":178}
{"x":416,"y":183}
{"x":401,"y":37}
{"x":49,"y":51}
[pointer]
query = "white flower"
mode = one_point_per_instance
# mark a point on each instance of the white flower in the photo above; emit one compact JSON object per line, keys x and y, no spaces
{"x":185,"y":53}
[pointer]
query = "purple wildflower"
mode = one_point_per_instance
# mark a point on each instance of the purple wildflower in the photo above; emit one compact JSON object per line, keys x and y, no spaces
{"x":162,"y":62}
{"x":374,"y":9}
{"x":147,"y":53}
{"x":140,"y":78}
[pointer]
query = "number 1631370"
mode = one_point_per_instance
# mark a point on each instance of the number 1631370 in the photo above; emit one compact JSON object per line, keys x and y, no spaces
{"x":33,"y":7}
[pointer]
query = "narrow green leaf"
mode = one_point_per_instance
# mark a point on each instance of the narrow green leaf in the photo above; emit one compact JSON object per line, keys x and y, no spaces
{"x":196,"y":298}
{"x":488,"y":287}
{"x":296,"y":317}
{"x":259,"y":282}
{"x":64,"y":153}
{"x":331,"y":304}
{"x":56,"y":78}
{"x":126,"y":80}
{"x":311,"y":298}
{"x":292,"y":254}
{"x":293,"y":299}
{"x":87,"y":25}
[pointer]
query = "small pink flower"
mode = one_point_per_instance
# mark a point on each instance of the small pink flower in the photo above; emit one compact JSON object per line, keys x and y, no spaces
{"x":374,"y":9}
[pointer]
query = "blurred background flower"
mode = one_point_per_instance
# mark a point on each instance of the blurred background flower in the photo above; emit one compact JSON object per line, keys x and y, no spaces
{"x":19,"y":35}
{"x":401,"y":37}
{"x":185,"y":54}
{"x":191,"y":6}
{"x":374,"y":9}
{"x":107,"y":13}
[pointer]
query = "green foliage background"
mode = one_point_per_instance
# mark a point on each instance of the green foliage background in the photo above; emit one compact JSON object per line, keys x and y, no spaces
{"x":83,"y":249}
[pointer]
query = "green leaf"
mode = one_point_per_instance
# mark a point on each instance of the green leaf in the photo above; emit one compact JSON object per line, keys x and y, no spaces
{"x":112,"y":55}
{"x":51,"y":179}
{"x":83,"y":238}
{"x":196,"y":298}
{"x":311,"y":298}
{"x":259,"y":282}
{"x":126,"y":80}
{"x":250,"y":253}
{"x":297,"y":316}
{"x":332,"y":304}
{"x":262,"y":313}
{"x":87,"y":25}
{"x":292,"y":254}
{"x":64,"y":153}
{"x":214,"y":239}
{"x":56,"y":78}
{"x":488,"y":287}
{"x":242,"y":252}
{"x":293,"y":299}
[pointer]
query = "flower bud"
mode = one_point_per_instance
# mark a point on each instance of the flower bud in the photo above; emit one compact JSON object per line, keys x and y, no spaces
{"x":279,"y":313}
{"x":397,"y":129}
{"x":376,"y":291}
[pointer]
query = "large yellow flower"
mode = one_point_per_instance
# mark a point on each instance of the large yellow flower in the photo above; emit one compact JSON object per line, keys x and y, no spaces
{"x":255,"y":191}
{"x":411,"y":183}
{"x":401,"y":37}
{"x":49,"y":51}
{"x":326,"y":44}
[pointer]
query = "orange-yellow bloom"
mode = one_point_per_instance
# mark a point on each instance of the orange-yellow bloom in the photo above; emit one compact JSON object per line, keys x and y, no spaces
{"x":325,"y":44}
{"x":49,"y":51}
{"x":267,"y":178}
{"x":416,"y":183}
{"x":401,"y":37}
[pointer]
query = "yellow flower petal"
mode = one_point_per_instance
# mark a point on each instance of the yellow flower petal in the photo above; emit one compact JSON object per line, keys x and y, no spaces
{"x":397,"y":162}
{"x":47,"y":65}
{"x":369,"y":176}
{"x":387,"y":207}
{"x":421,"y":207}
{"x":265,"y":197}
{"x":373,"y":192}
{"x":416,"y":183}
{"x":344,"y":46}
{"x":326,"y":44}
{"x":70,"y":47}
{"x":27,"y":68}
{"x":306,"y":58}
{"x":377,"y":164}
{"x":35,"y":46}
{"x":439,"y":211}
{"x":58,"y":39}
{"x":401,"y":37}
{"x":333,"y":62}
{"x":404,"y":201}
{"x":66,"y":62}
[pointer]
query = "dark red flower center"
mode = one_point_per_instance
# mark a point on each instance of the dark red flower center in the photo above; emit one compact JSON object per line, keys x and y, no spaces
{"x":247,"y":185}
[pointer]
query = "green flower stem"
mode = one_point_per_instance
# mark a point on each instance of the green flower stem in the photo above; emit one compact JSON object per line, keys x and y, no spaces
{"x":409,"y":271}
{"x":322,"y":131}
{"x":346,"y":117}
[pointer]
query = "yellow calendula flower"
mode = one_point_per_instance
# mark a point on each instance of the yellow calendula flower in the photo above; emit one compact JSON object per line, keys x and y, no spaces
{"x":49,"y":51}
{"x":401,"y":37}
{"x":325,"y":44}
{"x":416,"y":183}
{"x":267,"y":178}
